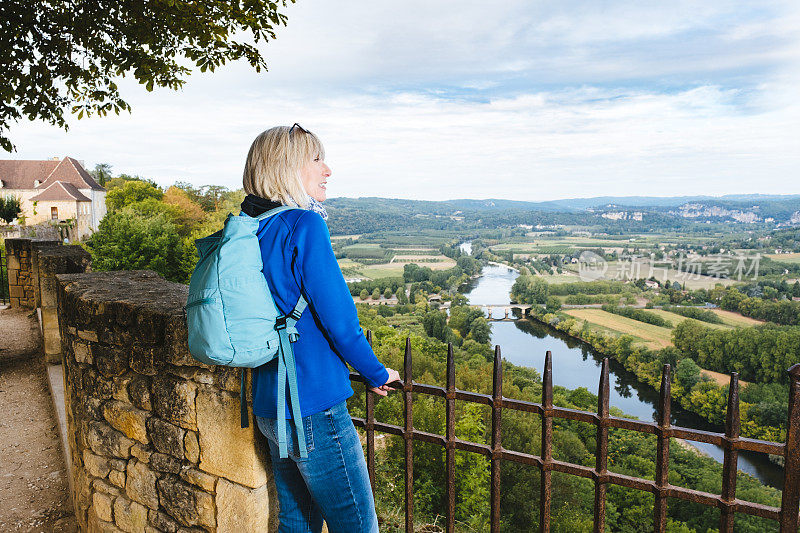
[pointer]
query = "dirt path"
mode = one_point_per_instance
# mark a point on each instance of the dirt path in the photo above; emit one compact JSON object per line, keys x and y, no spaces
{"x":33,"y":482}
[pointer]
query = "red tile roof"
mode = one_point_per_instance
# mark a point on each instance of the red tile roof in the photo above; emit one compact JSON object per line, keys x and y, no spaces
{"x":60,"y":191}
{"x":17,"y":174}
{"x":20,"y":174}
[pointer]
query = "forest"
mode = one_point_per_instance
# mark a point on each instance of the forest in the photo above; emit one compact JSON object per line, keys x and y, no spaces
{"x":631,"y":453}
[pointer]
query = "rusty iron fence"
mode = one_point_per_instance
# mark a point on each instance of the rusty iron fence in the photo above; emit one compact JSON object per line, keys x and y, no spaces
{"x":730,"y":441}
{"x":4,"y":295}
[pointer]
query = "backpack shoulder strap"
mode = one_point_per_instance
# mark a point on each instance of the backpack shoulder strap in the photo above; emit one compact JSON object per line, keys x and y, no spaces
{"x":271,"y":212}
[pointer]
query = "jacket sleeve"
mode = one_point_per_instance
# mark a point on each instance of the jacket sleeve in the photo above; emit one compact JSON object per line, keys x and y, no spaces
{"x":317,"y":273}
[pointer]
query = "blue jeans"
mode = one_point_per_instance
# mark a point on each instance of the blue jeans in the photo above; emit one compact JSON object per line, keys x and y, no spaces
{"x":331,"y":484}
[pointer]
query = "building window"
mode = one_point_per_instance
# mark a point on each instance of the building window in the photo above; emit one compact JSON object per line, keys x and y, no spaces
{"x":53,"y":213}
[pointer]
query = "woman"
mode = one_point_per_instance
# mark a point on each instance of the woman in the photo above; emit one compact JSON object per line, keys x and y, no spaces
{"x":286,"y":166}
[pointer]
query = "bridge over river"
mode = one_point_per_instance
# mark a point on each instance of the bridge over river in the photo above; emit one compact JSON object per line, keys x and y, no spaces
{"x":506,"y":309}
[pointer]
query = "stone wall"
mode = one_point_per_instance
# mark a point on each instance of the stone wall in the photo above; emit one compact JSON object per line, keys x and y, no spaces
{"x":155,"y":437}
{"x":21,"y":286}
{"x":48,"y":261}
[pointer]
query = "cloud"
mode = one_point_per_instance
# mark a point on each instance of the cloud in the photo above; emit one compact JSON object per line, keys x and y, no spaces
{"x":522,"y":100}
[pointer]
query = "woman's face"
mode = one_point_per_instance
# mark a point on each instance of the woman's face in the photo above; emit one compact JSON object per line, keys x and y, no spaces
{"x":315,"y":178}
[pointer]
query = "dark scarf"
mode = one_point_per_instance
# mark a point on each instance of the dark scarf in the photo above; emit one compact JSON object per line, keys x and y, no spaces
{"x":255,"y":205}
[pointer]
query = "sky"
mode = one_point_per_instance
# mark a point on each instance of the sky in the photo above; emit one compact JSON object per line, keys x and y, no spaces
{"x":522,"y":100}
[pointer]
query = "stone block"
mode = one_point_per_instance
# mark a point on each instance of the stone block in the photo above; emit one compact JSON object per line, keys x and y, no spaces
{"x":104,"y":506}
{"x":88,"y":335}
{"x":174,"y":400}
{"x":120,"y":391}
{"x":139,"y":392}
{"x":12,"y":276}
{"x":105,"y":440}
{"x":226,"y":449}
{"x":147,"y":360}
{"x":12,"y":261}
{"x":242,"y":509}
{"x":82,"y":498}
{"x":118,"y":464}
{"x":127,"y":419}
{"x":100,"y":526}
{"x":203,"y":376}
{"x":117,"y":478}
{"x":197,"y":477}
{"x":142,"y":453}
{"x":110,"y":361}
{"x":191,"y":447}
{"x":162,"y":462}
{"x":166,"y":438}
{"x":162,"y":522}
{"x":140,"y":485}
{"x":82,"y":352}
{"x":228,"y":378}
{"x":101,"y":486}
{"x":96,"y":385}
{"x":96,"y":465}
{"x":16,"y":291}
{"x":188,"y":504}
{"x":130,"y":516}
{"x":92,"y":408}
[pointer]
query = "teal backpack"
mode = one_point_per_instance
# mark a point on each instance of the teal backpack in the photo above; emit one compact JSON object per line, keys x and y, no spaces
{"x":227,"y":328}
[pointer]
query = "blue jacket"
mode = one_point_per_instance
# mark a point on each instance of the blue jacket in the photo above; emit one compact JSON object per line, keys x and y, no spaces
{"x":297,"y":254}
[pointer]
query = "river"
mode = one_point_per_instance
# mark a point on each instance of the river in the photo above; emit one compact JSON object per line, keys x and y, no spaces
{"x":575,"y":364}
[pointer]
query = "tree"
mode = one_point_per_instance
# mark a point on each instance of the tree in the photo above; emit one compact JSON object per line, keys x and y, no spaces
{"x":435,"y":324}
{"x":130,"y":192}
{"x":376,"y":294}
{"x":102,"y":173}
{"x":387,"y":293}
{"x":687,"y":374}
{"x":65,"y":56}
{"x":553,"y":304}
{"x":126,"y":240}
{"x":364,"y":294}
{"x":9,"y":208}
{"x":480,"y":330}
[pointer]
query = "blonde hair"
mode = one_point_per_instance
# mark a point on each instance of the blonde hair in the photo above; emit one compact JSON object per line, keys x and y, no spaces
{"x":274,"y":162}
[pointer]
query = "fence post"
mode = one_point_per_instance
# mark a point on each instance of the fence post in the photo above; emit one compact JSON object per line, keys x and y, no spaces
{"x":730,"y":457}
{"x":497,"y":448}
{"x":450,"y":439}
{"x":662,"y":451}
{"x":791,"y":469}
{"x":408,"y":435}
{"x":547,"y":443}
{"x":601,"y":454}
{"x":369,"y":426}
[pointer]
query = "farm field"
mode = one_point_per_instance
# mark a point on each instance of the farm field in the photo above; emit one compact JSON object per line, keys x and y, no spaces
{"x":677,"y":319}
{"x":735,"y":319}
{"x":622,"y":270}
{"x":653,"y":337}
{"x":785,"y":258}
{"x":560,"y":278}
{"x":385,"y":270}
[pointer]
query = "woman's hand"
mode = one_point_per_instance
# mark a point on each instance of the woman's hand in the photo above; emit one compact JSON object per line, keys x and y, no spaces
{"x":384,"y":389}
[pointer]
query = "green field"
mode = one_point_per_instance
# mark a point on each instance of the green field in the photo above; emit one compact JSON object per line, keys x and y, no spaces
{"x":735,"y":319}
{"x":785,"y":258}
{"x":653,"y":337}
{"x":386,"y":270}
{"x":677,"y":319}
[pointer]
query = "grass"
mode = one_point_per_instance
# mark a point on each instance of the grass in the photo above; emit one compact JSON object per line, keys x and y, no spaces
{"x":653,"y":337}
{"x":626,"y":270}
{"x":735,"y":319}
{"x":677,"y":319}
{"x":785,"y":258}
{"x":385,"y":270}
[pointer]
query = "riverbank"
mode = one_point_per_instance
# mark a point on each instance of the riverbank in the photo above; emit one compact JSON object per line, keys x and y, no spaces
{"x":576,"y":364}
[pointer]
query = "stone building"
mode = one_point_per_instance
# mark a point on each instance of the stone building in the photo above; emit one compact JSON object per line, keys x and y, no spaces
{"x":54,"y":190}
